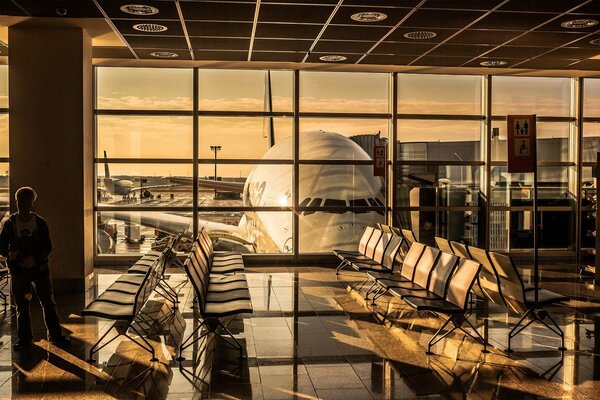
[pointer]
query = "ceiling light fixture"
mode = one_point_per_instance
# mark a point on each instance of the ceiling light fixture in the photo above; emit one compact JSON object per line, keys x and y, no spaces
{"x":420,"y":35}
{"x":579,"y":23}
{"x":139,"y":9}
{"x":493,"y":63}
{"x":368,"y":16}
{"x":332,"y":58}
{"x":150,"y":28}
{"x":595,"y":41}
{"x":164,"y":54}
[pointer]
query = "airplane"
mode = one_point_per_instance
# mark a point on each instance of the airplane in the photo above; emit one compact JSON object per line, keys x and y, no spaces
{"x":125,"y":187}
{"x":269,"y":185}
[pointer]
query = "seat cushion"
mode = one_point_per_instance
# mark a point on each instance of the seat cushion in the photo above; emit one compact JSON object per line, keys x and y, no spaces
{"x":403,"y":293}
{"x":545,"y":297}
{"x":108,"y":310}
{"x":124,"y":287}
{"x":226,"y":287}
{"x":436,"y":305}
{"x":232,"y":295}
{"x":116,"y":297}
{"x":218,"y":279}
{"x":347,"y":253}
{"x":133,"y":279}
{"x":218,"y":310}
{"x":391,"y":281}
{"x":373,"y":267}
{"x":139,"y":269}
{"x":226,"y":269}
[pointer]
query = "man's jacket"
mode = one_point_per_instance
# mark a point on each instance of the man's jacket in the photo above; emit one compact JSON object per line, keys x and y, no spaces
{"x":40,"y":248}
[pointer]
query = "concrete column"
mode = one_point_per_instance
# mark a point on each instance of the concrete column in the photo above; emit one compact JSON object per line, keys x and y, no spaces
{"x":51,"y":140}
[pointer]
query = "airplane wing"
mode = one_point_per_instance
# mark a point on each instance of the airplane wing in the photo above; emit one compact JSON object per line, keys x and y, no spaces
{"x":226,"y":186}
{"x":174,"y":224}
{"x":139,"y":189}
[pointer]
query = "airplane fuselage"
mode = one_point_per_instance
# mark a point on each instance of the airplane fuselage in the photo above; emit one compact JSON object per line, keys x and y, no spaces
{"x":118,"y":187}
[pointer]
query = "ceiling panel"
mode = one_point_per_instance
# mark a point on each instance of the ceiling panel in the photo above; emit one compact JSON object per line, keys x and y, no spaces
{"x":463,"y":4}
{"x":517,"y":52}
{"x":202,"y":10}
{"x":111,"y":52}
{"x":555,"y":25}
{"x":559,"y":6}
{"x":386,"y":59}
{"x":484,"y":37}
{"x":424,"y":18}
{"x":73,"y":8}
{"x":394,"y":15}
{"x":126,"y":27}
{"x":220,"y":43}
{"x":278,"y":56}
{"x":294,"y":13}
{"x":287,"y":31}
{"x":544,"y":63}
{"x":221,"y":55}
{"x":222,"y":29}
{"x":477,"y":62}
{"x":145,"y":53}
{"x":460,"y":50}
{"x":152,"y":42}
{"x":549,"y":39}
{"x":512,"y":20}
{"x":350,"y":58}
{"x":166,"y":9}
{"x":439,"y":61}
{"x":349,"y":32}
{"x":572,"y":53}
{"x":8,"y":8}
{"x":282,"y":45}
{"x":403,"y":48}
{"x":585,"y":42}
{"x":342,"y":46}
{"x":441,"y":35}
{"x":589,"y":8}
{"x":587,"y":65}
{"x":384,"y":3}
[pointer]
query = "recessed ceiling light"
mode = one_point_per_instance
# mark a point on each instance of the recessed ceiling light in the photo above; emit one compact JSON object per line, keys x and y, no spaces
{"x":151,"y":28}
{"x":164,"y":54}
{"x":332,"y":58}
{"x":139,"y":9}
{"x":368,"y":16}
{"x":579,"y":23}
{"x":420,"y":35}
{"x":493,"y":63}
{"x":595,"y":41}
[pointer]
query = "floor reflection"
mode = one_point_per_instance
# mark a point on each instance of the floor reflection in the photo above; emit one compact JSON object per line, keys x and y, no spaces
{"x":308,"y":338}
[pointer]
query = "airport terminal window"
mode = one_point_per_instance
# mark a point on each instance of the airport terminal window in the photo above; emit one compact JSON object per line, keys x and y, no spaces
{"x":344,"y":92}
{"x":129,"y":136}
{"x":3,"y":134}
{"x":439,"y":94}
{"x":144,"y":89}
{"x":531,"y":95}
{"x":240,"y":90}
{"x":4,"y":165}
{"x":3,"y":86}
{"x":552,"y":141}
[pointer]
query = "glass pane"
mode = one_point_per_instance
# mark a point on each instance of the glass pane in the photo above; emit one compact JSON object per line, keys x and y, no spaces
{"x":126,"y":232}
{"x":499,"y":230}
{"x":591,"y":97}
{"x":458,"y":226}
{"x":261,"y":185}
{"x":556,"y":229}
{"x":445,"y":185}
{"x":148,"y":185}
{"x":3,"y":135}
{"x":321,"y":232}
{"x":145,"y":136}
{"x":340,"y":139}
{"x":144,"y":88}
{"x":517,"y":189}
{"x":344,"y":92}
{"x":439,"y":140}
{"x":246,"y":137}
{"x":439,"y":94}
{"x":3,"y":86}
{"x":250,"y":232}
{"x":339,"y":185}
{"x":591,"y":141}
{"x":552,"y":141}
{"x":531,"y":95}
{"x":239,"y":90}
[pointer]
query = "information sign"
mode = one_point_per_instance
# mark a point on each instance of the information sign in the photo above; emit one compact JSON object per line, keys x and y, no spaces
{"x":521,"y":143}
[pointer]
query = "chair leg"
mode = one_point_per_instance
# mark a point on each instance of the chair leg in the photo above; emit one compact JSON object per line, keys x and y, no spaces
{"x":148,"y":347}
{"x":517,"y":329}
{"x":91,"y":360}
{"x":340,"y":267}
{"x":436,"y":336}
{"x":483,"y":341}
{"x":558,"y":331}
{"x":236,"y":343}
{"x":369,"y":290}
{"x":184,"y":345}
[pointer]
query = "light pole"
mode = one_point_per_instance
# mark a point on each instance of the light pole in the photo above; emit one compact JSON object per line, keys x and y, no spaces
{"x":215,"y":149}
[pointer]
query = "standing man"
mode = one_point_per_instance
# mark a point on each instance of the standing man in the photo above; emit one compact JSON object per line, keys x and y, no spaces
{"x":25,"y":242}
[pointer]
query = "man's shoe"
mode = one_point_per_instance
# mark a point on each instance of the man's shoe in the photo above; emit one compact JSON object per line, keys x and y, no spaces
{"x":22,"y":344}
{"x":60,"y":341}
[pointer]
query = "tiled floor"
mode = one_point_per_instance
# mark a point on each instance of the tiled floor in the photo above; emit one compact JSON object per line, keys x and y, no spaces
{"x":309,"y":337}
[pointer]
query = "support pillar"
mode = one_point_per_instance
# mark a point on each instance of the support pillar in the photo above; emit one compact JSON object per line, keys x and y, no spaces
{"x":51,"y":140}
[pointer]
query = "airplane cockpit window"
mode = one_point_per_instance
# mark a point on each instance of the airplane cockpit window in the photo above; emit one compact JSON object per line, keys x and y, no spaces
{"x":375,"y":202}
{"x":358,"y":203}
{"x":316,"y":202}
{"x":304,"y":202}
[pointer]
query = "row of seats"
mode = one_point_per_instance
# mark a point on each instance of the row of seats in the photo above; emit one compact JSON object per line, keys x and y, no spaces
{"x":220,"y":288}
{"x":441,"y":279}
{"x":501,"y":283}
{"x":124,"y":300}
